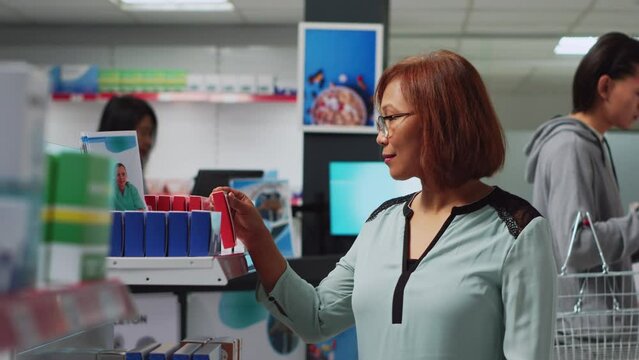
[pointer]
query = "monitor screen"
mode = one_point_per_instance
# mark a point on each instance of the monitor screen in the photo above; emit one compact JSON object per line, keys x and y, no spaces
{"x":356,"y":189}
{"x":207,"y":180}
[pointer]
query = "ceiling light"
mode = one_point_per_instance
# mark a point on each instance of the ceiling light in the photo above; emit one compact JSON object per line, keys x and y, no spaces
{"x":175,"y":5}
{"x":574,"y":45}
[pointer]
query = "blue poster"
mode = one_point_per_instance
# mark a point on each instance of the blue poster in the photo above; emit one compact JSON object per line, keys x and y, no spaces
{"x":340,"y":69}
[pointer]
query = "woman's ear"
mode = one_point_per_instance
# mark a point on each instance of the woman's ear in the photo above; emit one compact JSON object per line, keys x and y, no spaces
{"x":604,"y":86}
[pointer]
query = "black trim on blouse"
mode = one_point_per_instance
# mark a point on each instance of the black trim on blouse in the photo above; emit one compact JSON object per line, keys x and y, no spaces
{"x":514,"y":211}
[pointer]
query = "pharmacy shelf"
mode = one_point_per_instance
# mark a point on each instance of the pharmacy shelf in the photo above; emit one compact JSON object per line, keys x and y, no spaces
{"x":196,"y":271}
{"x":222,"y":98}
{"x":34,"y":317}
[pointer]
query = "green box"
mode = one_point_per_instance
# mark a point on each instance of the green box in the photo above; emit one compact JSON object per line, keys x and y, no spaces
{"x":79,"y":195}
{"x":175,"y":80}
{"x":109,"y":80}
{"x":84,"y":180}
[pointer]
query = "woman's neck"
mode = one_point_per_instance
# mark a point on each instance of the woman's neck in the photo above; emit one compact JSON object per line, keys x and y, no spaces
{"x":593,"y":120}
{"x":435,"y":201}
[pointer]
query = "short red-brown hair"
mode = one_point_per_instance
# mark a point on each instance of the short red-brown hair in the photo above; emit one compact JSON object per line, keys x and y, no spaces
{"x":462,"y":137}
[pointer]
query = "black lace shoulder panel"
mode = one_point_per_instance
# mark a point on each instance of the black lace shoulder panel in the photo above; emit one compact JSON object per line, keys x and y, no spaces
{"x":514,"y":211}
{"x":388,"y":203}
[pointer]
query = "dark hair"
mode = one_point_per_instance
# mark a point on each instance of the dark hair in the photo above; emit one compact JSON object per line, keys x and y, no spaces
{"x":614,"y":54}
{"x":120,"y":165}
{"x":125,"y":113}
{"x":462,"y":139}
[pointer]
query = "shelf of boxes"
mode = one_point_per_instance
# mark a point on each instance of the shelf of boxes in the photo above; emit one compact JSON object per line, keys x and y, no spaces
{"x":34,"y":317}
{"x":222,"y":98}
{"x":199,"y":271}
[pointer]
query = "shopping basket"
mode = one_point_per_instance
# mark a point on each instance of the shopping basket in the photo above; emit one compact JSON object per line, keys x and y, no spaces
{"x":597,"y":314}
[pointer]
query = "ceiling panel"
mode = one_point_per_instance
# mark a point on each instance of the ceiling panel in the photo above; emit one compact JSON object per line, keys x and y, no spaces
{"x":187,"y":18}
{"x":400,"y":48}
{"x":598,"y":22}
{"x":618,"y":5}
{"x":520,"y":22}
{"x":429,"y":4}
{"x":599,"y":29}
{"x":426,"y":17}
{"x":531,"y":5}
{"x":522,"y":18}
{"x":511,"y":29}
{"x":268,"y":4}
{"x":515,"y":49}
{"x":426,"y":21}
{"x":285,"y":16}
{"x":64,"y":4}
{"x":425,"y":29}
{"x":77,"y":16}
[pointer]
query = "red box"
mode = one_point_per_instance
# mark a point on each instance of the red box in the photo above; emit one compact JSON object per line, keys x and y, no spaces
{"x":195,"y":203}
{"x":151,"y":202}
{"x":179,"y":203}
{"x":164,"y":203}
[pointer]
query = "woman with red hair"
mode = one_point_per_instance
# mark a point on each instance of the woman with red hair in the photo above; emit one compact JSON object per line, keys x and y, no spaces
{"x":458,"y":270}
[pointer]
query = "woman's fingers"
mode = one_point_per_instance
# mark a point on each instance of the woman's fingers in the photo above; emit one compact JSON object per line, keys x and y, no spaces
{"x":237,"y":199}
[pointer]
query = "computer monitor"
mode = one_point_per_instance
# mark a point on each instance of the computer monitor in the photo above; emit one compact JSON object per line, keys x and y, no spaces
{"x":356,"y":189}
{"x":207,"y":180}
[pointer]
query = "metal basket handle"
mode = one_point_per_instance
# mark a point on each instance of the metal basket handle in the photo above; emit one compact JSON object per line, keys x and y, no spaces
{"x":584,"y":219}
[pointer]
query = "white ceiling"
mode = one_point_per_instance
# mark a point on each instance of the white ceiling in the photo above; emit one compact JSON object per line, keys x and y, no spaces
{"x":510,"y":41}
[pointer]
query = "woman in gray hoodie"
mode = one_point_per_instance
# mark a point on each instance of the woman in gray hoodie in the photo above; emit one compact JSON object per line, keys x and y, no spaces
{"x":571,"y":168}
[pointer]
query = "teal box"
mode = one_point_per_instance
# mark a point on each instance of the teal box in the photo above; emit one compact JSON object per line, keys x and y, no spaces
{"x":81,"y":79}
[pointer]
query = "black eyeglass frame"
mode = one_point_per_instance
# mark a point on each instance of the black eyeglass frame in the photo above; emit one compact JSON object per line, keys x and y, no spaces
{"x":383,"y":122}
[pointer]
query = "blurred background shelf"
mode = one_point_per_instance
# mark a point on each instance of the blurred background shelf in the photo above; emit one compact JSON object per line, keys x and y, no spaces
{"x":222,"y":98}
{"x":34,"y":318}
{"x":198,"y":271}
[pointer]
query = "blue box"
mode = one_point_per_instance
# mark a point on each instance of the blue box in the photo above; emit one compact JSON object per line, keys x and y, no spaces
{"x":141,"y":352}
{"x":200,"y":234}
{"x":186,"y":351}
{"x":155,"y":235}
{"x":117,"y":234}
{"x":208,"y":352}
{"x":164,"y":352}
{"x":178,"y":233}
{"x":75,"y":78}
{"x":133,"y":233}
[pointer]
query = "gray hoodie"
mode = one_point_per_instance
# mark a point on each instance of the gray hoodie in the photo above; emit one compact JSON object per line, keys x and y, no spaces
{"x":571,"y":170}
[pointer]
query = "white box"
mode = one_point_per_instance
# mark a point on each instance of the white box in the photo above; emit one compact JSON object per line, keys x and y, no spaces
{"x":229,"y":83}
{"x":246,"y":84}
{"x":16,"y":233}
{"x":195,"y":82}
{"x":23,"y":100}
{"x":70,"y":263}
{"x":212,"y":83}
{"x":265,"y":84}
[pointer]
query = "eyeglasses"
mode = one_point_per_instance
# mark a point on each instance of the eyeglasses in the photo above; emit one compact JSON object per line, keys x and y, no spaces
{"x":383,"y":122}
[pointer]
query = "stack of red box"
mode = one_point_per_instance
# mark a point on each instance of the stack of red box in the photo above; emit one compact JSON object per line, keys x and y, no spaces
{"x":176,"y":202}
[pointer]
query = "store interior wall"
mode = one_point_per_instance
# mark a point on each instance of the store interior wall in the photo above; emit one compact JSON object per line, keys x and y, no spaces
{"x":197,"y":135}
{"x":204,"y":135}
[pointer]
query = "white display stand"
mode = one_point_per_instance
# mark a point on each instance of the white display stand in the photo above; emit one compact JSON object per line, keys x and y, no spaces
{"x":212,"y":271}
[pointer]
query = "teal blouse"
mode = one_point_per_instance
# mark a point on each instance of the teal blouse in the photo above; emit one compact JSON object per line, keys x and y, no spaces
{"x":484,"y":290}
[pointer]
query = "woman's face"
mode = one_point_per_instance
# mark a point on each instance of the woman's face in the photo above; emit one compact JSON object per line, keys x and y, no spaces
{"x":146,"y":138}
{"x":622,"y":102}
{"x":120,"y":177}
{"x":401,"y":150}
